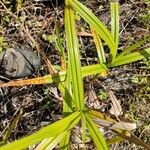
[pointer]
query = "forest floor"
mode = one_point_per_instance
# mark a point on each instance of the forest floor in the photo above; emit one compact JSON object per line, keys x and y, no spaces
{"x":42,"y":104}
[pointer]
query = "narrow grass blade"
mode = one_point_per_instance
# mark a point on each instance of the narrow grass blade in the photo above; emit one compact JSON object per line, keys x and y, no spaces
{"x":60,"y":47}
{"x":95,"y":133}
{"x":74,"y":56}
{"x":83,"y":132}
{"x":98,"y":26}
{"x":99,"y":46}
{"x":52,"y":130}
{"x":131,"y":138}
{"x":20,"y":2}
{"x":68,"y":100}
{"x":58,"y":77}
{"x":131,"y":57}
{"x":67,"y":106}
{"x":115,"y":26}
{"x":132,"y":47}
{"x":11,"y":127}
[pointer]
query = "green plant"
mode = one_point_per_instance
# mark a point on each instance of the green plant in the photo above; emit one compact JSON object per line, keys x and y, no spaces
{"x":70,"y":82}
{"x":2,"y":40}
{"x":103,"y":95}
{"x":146,"y":17}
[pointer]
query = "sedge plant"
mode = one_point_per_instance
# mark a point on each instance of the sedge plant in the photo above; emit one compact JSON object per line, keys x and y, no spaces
{"x":70,"y":82}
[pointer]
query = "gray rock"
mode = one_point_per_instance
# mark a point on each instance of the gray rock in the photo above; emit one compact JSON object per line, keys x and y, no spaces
{"x":19,"y":62}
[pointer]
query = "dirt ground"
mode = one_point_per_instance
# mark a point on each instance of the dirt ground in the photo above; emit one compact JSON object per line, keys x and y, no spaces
{"x":42,"y":104}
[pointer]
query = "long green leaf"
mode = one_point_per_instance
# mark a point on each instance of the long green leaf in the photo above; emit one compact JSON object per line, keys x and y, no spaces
{"x":115,"y":26}
{"x":47,"y":79}
{"x":59,"y":46}
{"x":98,"y":26}
{"x":68,"y":100}
{"x":52,"y":130}
{"x":58,"y":77}
{"x":83,"y":129}
{"x":93,"y":69}
{"x":50,"y":143}
{"x":132,"y":47}
{"x":55,"y":141}
{"x":64,"y":144}
{"x":99,"y":47}
{"x":74,"y":56}
{"x":12,"y":126}
{"x":44,"y":143}
{"x":132,"y":57}
{"x":67,"y":106}
{"x":95,"y":133}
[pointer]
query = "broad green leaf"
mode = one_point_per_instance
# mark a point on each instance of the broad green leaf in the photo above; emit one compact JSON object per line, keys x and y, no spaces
{"x":129,"y":58}
{"x":99,"y":47}
{"x":96,"y":134}
{"x":98,"y":26}
{"x":74,"y":56}
{"x":132,"y":47}
{"x":52,"y":130}
{"x":115,"y":26}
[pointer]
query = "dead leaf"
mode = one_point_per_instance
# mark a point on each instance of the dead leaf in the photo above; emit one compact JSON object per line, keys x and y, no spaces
{"x":116,"y":107}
